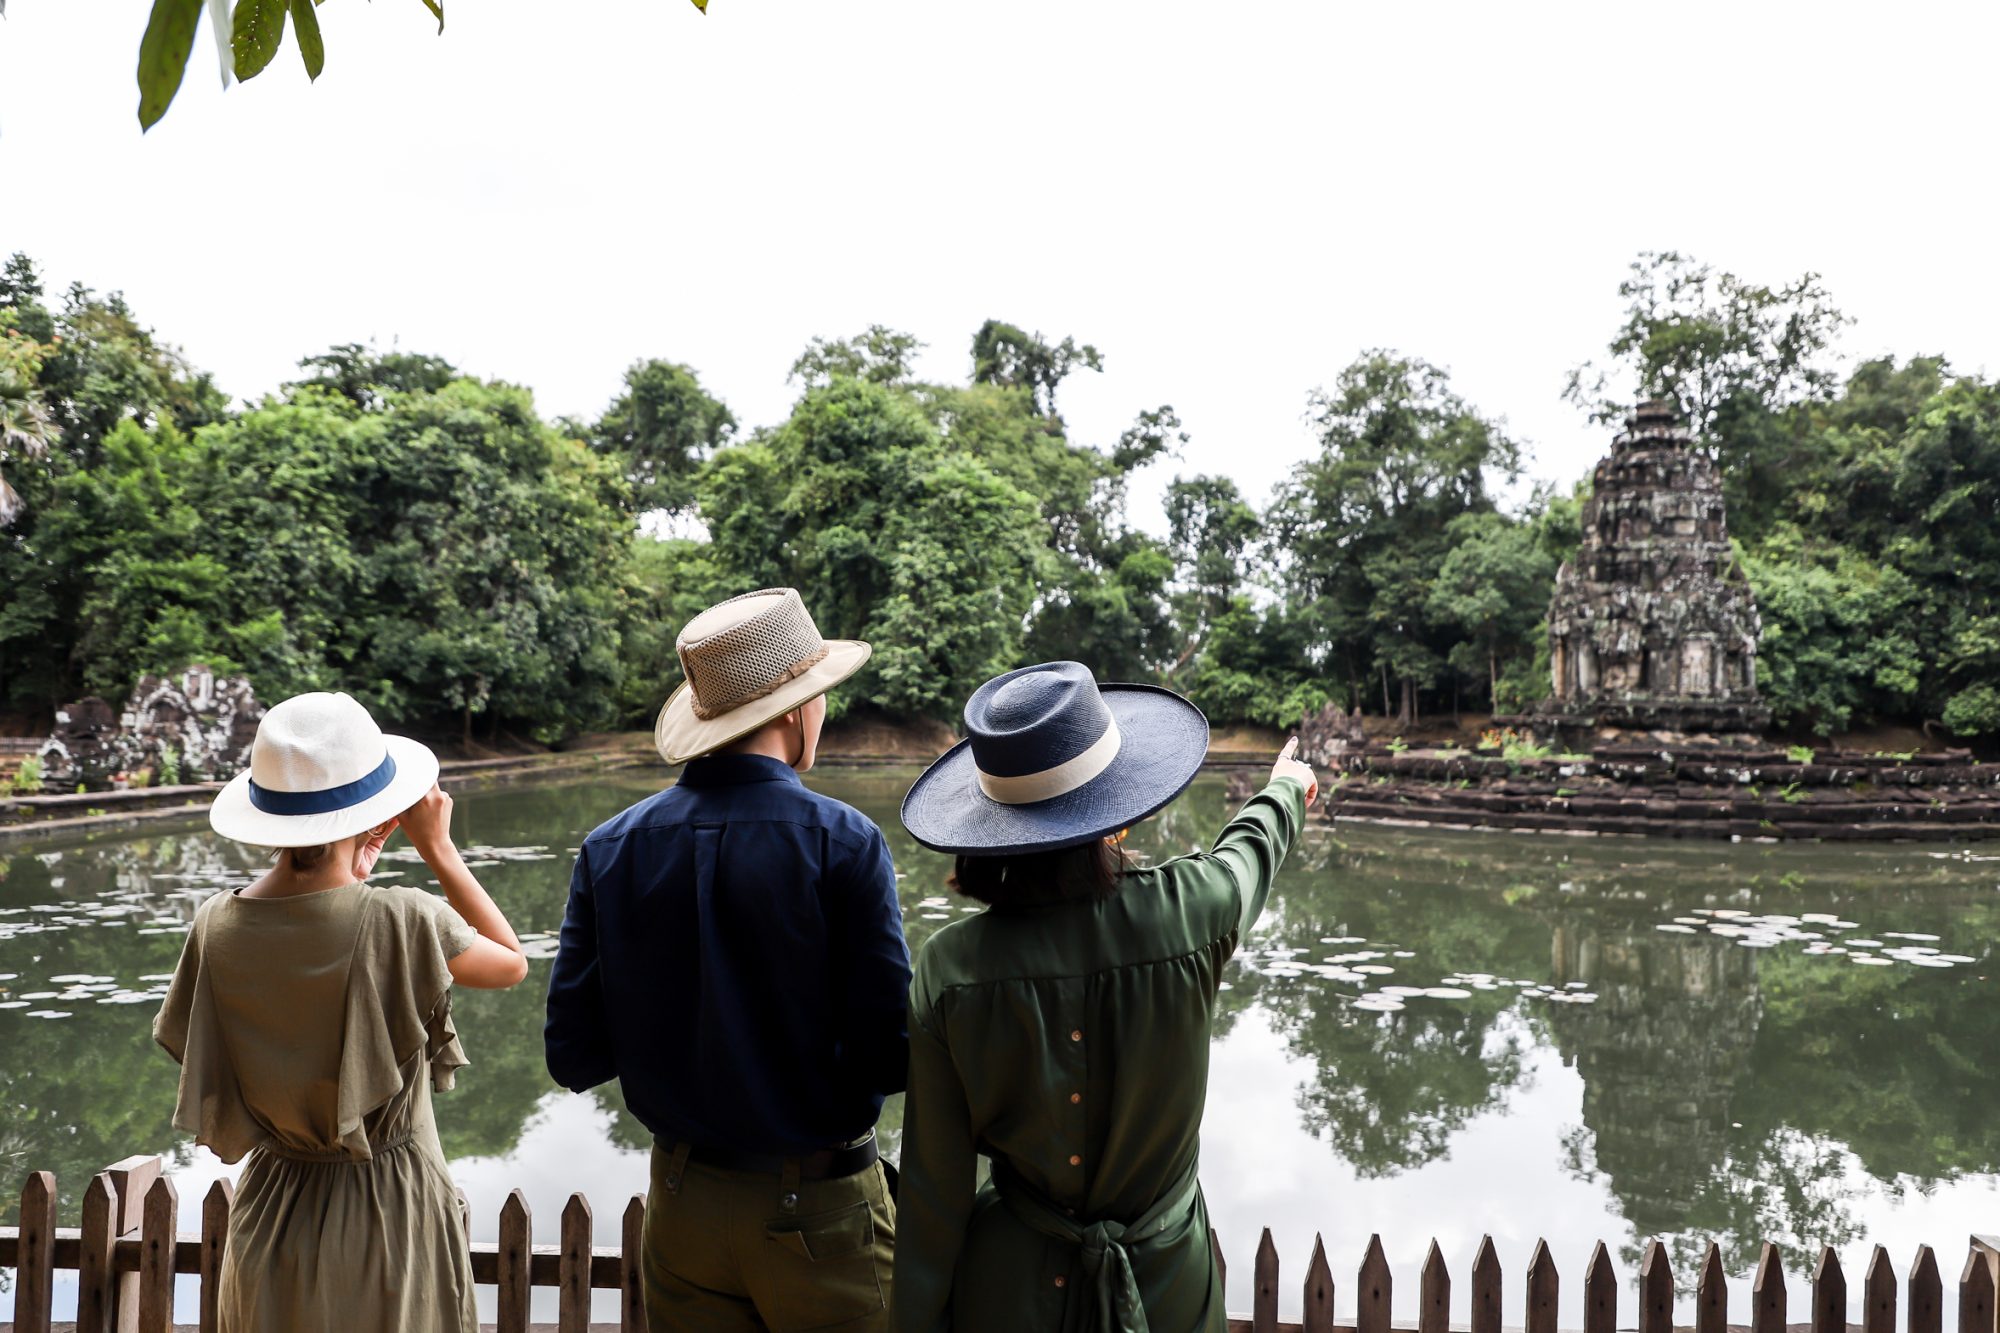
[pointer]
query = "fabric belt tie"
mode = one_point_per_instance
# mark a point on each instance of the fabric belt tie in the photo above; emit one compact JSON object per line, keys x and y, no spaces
{"x":1111,"y":1295}
{"x":342,"y":1155}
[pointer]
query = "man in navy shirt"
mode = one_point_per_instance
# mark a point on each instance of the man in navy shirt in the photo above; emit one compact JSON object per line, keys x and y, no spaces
{"x":733,"y":954}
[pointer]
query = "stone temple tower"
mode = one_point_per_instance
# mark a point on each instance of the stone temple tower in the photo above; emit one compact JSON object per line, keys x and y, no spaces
{"x":1653,"y":626}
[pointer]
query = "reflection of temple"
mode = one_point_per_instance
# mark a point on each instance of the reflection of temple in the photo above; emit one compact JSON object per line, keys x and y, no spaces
{"x":1661,"y":1053}
{"x":1653,"y":624}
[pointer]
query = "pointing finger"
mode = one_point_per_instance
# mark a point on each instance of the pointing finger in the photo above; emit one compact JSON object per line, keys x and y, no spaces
{"x":1291,"y":748}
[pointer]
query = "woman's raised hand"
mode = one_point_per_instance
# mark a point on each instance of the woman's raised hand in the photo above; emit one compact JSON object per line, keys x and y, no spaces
{"x":1289,"y":767}
{"x":427,"y":824}
{"x":369,"y":849}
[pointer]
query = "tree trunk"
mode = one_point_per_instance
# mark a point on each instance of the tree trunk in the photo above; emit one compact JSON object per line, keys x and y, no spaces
{"x":465,"y":727}
{"x":1387,"y":708}
{"x":1407,"y":714}
{"x":1492,"y":681}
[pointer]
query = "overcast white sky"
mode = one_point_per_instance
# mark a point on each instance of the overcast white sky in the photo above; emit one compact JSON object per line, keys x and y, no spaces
{"x":1230,"y":200}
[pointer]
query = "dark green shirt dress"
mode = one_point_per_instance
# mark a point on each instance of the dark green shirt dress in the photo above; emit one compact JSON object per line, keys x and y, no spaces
{"x":1068,"y":1041}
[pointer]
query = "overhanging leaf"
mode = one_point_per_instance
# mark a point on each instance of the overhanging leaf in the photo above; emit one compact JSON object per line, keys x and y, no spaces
{"x":702,"y":5}
{"x":255,"y":35}
{"x":163,"y":56}
{"x":436,"y":7}
{"x":310,"y":47}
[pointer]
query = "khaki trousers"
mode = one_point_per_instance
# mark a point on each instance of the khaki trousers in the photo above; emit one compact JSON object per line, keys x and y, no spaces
{"x":729,"y":1251}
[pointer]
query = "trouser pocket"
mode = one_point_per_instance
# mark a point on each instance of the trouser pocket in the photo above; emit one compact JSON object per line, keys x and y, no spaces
{"x":826,"y":1268}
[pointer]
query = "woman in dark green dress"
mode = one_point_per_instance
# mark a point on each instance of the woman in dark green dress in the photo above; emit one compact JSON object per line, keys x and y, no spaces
{"x":1064,"y":1032}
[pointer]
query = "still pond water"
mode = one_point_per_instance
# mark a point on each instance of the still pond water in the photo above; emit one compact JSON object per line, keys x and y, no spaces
{"x":1429,"y":1034}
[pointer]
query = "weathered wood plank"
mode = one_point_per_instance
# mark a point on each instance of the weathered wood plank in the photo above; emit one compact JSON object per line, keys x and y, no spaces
{"x":159,"y":1230}
{"x":1829,"y":1294}
{"x":35,"y":1255}
{"x":93,"y":1262}
{"x":1434,"y":1299}
{"x":1925,"y":1310}
{"x":1878,"y":1302}
{"x":1711,"y":1297}
{"x":1544,"y":1288}
{"x":516,"y":1236}
{"x":215,"y":1206}
{"x":1486,"y":1288}
{"x":1264,"y":1288}
{"x":1767,"y":1293}
{"x":1656,"y":1290}
{"x":573,"y":1272}
{"x":1975,"y":1294}
{"x":1600,"y":1293}
{"x":631,"y":1268}
{"x":1373,"y":1288}
{"x":131,"y":1177}
{"x":1318,"y":1297}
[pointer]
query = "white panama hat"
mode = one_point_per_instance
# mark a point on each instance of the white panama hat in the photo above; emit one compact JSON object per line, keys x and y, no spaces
{"x":321,"y":770}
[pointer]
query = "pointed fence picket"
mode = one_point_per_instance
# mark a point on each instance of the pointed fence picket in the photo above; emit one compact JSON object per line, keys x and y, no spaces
{"x":127,"y":1255}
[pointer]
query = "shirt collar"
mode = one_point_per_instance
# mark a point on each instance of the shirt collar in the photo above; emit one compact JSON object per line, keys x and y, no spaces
{"x":729,"y":770}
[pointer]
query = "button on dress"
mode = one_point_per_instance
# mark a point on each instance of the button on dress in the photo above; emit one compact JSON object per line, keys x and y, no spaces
{"x":311,"y":1032}
{"x":1068,"y":1042}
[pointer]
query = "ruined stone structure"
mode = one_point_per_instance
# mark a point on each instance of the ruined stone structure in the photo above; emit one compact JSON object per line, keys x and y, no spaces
{"x":206,"y":721}
{"x":1653,"y":626}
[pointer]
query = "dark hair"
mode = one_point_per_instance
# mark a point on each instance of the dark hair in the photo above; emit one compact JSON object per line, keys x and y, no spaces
{"x":1088,"y":871}
{"x":303,"y":859}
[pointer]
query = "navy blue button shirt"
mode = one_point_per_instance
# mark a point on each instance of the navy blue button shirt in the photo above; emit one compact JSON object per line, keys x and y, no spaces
{"x":733,"y":954}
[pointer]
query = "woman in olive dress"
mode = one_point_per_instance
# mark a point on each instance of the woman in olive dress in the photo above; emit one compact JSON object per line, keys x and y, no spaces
{"x":311,"y":1016}
{"x":1063,"y":1033}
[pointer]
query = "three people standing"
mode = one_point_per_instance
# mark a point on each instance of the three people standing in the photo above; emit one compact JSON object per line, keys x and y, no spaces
{"x":732,"y":953}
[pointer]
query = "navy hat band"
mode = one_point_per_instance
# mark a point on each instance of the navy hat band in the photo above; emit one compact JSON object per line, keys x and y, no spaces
{"x":327,"y":799}
{"x":1064,"y":778}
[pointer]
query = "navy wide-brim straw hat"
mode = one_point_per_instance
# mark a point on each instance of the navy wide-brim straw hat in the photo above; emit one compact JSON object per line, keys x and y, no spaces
{"x":1051,"y":759}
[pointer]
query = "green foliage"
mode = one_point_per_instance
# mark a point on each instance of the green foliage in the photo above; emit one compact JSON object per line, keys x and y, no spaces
{"x":28,"y":775}
{"x":256,"y":30}
{"x":659,"y":430}
{"x":387,"y":525}
{"x":1799,"y":754}
{"x":1367,"y":525}
{"x":169,"y":772}
{"x":1974,"y":711}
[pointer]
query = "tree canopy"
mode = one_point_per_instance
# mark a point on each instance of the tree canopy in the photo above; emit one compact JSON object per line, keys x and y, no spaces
{"x":389,"y":525}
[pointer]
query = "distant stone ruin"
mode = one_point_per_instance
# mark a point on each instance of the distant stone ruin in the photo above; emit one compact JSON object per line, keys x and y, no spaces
{"x":194,"y":721}
{"x":1653,"y":626}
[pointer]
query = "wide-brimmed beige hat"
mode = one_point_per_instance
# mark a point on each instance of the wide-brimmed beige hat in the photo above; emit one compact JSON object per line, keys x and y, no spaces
{"x":748,"y":660}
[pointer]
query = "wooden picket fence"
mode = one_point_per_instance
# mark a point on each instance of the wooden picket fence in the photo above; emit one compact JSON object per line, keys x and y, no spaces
{"x":129,"y":1250}
{"x":1924,"y":1307}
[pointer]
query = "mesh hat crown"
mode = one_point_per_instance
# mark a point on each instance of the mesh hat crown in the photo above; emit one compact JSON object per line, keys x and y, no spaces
{"x":739,"y":651}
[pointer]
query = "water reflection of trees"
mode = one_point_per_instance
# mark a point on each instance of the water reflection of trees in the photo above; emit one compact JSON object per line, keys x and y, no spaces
{"x":1389,"y":1091}
{"x":1726,"y":1090}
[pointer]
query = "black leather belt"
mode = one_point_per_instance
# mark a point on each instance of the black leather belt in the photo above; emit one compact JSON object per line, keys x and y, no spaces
{"x":826,"y":1164}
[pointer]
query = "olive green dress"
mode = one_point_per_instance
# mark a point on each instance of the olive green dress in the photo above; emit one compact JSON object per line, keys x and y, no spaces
{"x":1068,"y":1041}
{"x":310,"y":1033}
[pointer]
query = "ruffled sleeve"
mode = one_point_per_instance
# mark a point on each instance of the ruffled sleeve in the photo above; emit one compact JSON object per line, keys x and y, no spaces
{"x":398,"y":1006}
{"x":210,"y":1106}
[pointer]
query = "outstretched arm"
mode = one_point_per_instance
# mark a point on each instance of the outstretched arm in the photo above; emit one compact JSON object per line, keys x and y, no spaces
{"x":1254,"y":844}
